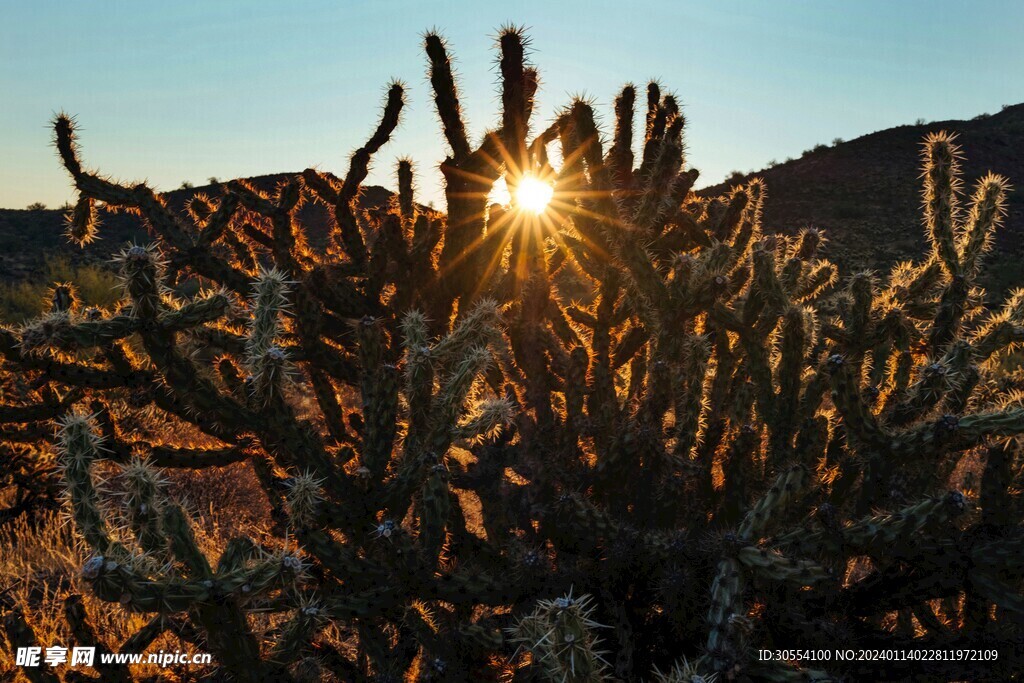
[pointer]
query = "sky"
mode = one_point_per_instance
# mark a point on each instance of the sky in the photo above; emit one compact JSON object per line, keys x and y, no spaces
{"x":185,"y":90}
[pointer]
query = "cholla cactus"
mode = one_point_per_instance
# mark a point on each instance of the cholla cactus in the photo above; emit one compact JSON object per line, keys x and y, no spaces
{"x":634,"y":394}
{"x":562,"y":638}
{"x":683,"y":672}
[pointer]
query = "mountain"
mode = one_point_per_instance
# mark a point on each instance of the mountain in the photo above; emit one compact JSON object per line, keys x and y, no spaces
{"x":866,"y":193}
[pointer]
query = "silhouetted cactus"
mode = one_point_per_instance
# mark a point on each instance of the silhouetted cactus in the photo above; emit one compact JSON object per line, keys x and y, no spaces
{"x":635,"y":397}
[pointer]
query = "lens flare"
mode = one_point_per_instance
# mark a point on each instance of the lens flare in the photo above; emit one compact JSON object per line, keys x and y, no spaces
{"x":533,"y":194}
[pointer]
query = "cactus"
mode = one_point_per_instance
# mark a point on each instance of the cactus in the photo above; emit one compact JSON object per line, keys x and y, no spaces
{"x":636,"y":397}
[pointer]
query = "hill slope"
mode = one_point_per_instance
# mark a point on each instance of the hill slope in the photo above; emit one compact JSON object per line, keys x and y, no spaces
{"x":866,"y":193}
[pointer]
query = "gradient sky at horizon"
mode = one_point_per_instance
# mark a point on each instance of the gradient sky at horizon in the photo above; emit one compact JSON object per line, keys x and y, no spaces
{"x":185,"y":90}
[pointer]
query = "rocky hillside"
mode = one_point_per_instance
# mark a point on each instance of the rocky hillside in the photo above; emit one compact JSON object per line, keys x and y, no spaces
{"x":866,"y":193}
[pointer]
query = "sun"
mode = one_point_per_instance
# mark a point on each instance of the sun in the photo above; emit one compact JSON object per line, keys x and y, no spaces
{"x":533,"y":194}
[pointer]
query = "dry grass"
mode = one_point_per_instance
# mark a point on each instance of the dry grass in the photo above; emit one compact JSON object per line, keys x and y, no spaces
{"x":39,"y":565}
{"x":39,"y":570}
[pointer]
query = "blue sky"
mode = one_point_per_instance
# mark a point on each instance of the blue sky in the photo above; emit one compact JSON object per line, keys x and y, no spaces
{"x":184,"y":90}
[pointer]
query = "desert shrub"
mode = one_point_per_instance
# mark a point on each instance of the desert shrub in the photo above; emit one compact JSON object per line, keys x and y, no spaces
{"x":92,"y":286}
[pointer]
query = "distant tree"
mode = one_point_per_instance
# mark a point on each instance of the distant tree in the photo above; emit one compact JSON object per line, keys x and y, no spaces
{"x":735,"y":177}
{"x":212,"y":180}
{"x":920,"y":122}
{"x":36,"y":206}
{"x":773,"y":163}
{"x":186,"y":185}
{"x":837,"y":141}
{"x":819,"y":147}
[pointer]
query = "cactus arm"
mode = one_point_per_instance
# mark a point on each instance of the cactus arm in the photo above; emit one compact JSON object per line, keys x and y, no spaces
{"x":144,"y":200}
{"x":85,"y":634}
{"x":779,"y":568}
{"x":21,"y":634}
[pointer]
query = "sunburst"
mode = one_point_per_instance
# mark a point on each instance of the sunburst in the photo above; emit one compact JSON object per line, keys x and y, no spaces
{"x":533,"y":194}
